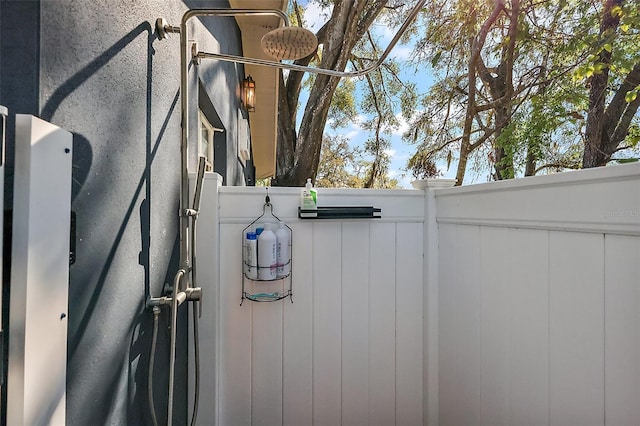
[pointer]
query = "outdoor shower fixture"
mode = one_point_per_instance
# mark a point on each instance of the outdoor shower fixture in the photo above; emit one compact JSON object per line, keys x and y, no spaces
{"x":284,"y":43}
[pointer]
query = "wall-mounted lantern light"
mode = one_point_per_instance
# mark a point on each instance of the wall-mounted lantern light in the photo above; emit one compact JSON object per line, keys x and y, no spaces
{"x":249,"y":93}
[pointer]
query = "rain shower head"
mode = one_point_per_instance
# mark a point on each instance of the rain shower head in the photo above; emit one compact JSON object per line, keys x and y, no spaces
{"x":289,"y":43}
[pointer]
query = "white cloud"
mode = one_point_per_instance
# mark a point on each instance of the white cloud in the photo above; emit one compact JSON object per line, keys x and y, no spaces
{"x":401,"y":53}
{"x":357,"y":122}
{"x":352,"y":134}
{"x":403,"y":156}
{"x":390,"y":152}
{"x":315,"y":16}
{"x":402,"y":128}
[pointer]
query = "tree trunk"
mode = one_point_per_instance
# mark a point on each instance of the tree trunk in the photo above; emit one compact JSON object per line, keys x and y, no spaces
{"x":530,"y":166}
{"x":620,"y":113}
{"x":502,"y":151}
{"x":596,"y":152}
{"x":501,"y":90}
{"x":474,"y":68}
{"x":285,"y":149}
{"x":349,"y":21}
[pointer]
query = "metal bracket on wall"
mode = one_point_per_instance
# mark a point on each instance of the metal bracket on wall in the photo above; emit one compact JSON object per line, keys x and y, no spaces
{"x":194,"y":53}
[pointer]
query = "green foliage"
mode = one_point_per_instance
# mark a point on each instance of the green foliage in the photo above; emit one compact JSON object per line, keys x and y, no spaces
{"x":343,"y":109}
{"x":375,"y":97}
{"x":632,"y":95}
{"x":345,"y":166}
{"x":558,"y":50}
{"x":633,"y":137}
{"x":422,"y":166}
{"x":341,"y":166}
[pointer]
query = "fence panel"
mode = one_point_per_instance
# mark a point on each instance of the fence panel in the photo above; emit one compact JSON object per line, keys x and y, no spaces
{"x":349,"y":349}
{"x":543,"y":330}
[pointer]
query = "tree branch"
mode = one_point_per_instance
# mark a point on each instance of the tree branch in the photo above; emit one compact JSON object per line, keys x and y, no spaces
{"x":620,"y":113}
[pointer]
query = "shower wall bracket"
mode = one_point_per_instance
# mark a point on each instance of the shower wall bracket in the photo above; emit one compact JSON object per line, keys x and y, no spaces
{"x":194,"y":53}
{"x":163,"y":28}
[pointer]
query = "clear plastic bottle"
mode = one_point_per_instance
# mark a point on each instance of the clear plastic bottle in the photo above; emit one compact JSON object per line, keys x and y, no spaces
{"x":309,"y":197}
{"x":251,"y":256}
{"x":267,"y":254}
{"x":283,"y":237}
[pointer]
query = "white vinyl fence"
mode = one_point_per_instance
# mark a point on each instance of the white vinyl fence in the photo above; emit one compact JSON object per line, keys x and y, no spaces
{"x":539,"y":309}
{"x":349,"y":349}
{"x":508,"y":303}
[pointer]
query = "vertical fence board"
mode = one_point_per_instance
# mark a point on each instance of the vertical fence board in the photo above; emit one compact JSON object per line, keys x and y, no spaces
{"x":382,"y":325}
{"x":409,"y":323}
{"x":266,"y":363}
{"x":622,"y":338}
{"x":447,"y":308}
{"x":235,"y":333}
{"x":355,"y":323}
{"x":327,"y":289}
{"x":298,"y":332}
{"x":529,"y":327}
{"x":576,"y":311}
{"x":495,"y":278}
{"x":467,"y":310}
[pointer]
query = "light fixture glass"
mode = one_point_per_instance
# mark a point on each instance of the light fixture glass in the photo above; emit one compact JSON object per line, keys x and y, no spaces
{"x":249,"y":93}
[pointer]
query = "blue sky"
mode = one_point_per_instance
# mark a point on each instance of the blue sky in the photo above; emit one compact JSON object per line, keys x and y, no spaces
{"x":400,"y":151}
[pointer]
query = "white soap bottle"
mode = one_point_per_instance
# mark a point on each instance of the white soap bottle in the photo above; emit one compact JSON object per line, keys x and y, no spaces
{"x":251,"y":256}
{"x":309,"y":197}
{"x":267,"y":254}
{"x":284,"y":238}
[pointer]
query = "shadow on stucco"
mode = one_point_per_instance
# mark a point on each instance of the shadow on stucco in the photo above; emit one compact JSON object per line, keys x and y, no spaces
{"x":82,"y":160}
{"x":69,"y":86}
{"x":87,"y":299}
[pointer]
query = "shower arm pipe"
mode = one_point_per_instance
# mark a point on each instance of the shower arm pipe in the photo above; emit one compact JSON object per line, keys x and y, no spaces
{"x":172,"y":356}
{"x":294,"y":67}
{"x":185,"y":212}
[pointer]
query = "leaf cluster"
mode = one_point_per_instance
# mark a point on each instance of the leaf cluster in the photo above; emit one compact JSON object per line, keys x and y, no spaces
{"x":558,"y":49}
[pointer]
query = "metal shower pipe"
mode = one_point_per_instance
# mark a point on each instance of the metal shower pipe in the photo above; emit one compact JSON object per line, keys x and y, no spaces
{"x":185,"y":258}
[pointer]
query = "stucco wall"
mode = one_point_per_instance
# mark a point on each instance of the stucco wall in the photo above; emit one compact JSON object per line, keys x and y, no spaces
{"x":102,"y":74}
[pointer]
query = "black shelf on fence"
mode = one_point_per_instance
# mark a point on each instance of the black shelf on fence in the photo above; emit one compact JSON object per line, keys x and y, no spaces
{"x":341,"y":212}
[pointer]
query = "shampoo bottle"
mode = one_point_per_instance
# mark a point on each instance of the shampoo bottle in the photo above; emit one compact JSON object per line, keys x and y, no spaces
{"x":267,"y":254}
{"x":283,"y":238}
{"x":251,"y":256}
{"x":309,"y":197}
